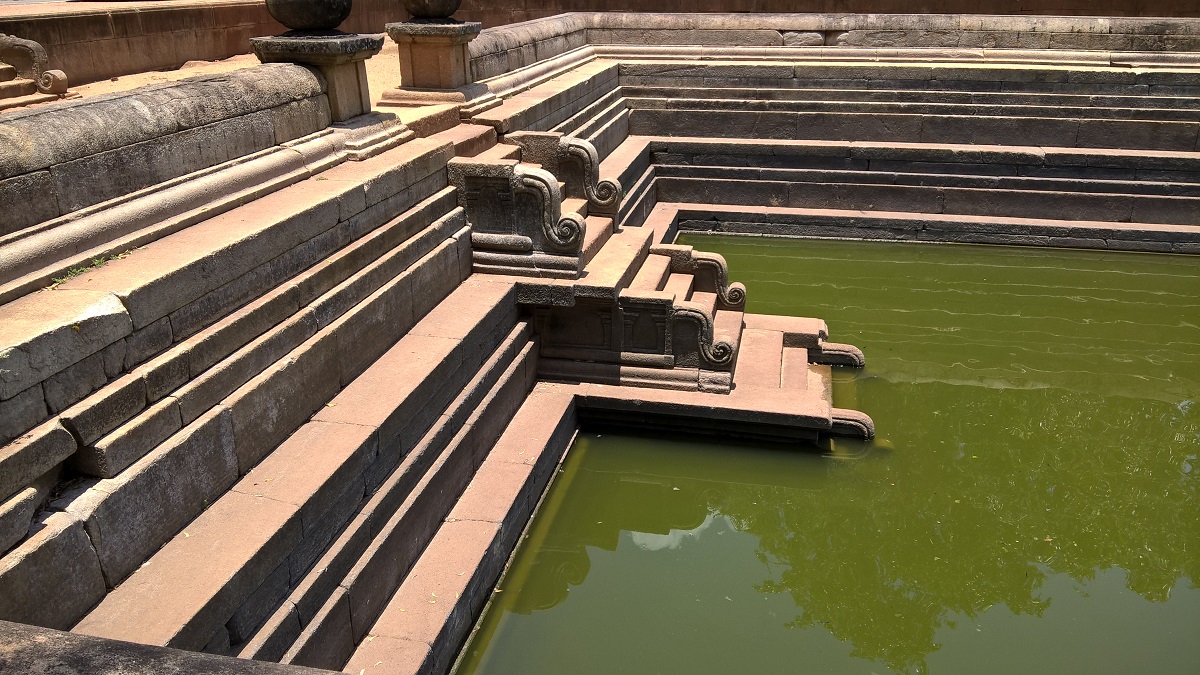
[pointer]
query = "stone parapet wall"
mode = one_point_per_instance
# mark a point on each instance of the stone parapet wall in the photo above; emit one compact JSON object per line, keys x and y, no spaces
{"x":54,"y":161}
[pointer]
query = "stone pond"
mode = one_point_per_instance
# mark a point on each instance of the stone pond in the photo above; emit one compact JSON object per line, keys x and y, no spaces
{"x":1028,"y":507}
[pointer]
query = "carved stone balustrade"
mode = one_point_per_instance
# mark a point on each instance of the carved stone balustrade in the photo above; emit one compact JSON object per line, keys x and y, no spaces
{"x":575,"y":162}
{"x":516,"y":217}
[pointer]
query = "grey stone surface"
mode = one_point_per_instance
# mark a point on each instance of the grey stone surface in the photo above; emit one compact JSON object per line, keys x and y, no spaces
{"x":61,"y":134}
{"x":42,"y":334}
{"x":65,"y":388}
{"x":130,"y":516}
{"x":32,"y":455}
{"x":316,"y":49}
{"x":15,"y":514}
{"x":114,"y":452}
{"x":21,"y":413}
{"x":53,"y":577}
{"x":40,"y":651}
{"x":97,"y":415}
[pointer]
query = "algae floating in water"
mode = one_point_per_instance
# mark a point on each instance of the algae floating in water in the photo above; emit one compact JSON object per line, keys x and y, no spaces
{"x":1032,"y":503}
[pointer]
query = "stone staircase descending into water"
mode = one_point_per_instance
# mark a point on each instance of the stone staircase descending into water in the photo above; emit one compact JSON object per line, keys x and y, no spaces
{"x":309,"y":427}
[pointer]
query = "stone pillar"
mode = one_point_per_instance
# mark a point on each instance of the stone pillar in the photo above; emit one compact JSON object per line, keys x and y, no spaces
{"x":435,"y":65}
{"x":341,"y":59}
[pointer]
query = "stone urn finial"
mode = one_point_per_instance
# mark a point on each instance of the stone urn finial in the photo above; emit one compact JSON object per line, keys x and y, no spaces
{"x":309,"y":15}
{"x":432,"y":10}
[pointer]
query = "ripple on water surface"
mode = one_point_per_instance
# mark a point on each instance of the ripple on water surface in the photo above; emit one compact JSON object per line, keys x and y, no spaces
{"x":1032,"y":503}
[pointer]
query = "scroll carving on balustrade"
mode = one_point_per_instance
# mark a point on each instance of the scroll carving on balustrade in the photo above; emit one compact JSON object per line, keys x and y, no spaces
{"x":716,"y":353}
{"x":516,"y":218}
{"x":573,"y":161}
{"x":30,"y":58}
{"x":710,"y":270}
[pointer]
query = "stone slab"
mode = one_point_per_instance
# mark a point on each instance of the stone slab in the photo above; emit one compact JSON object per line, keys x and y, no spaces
{"x":32,"y":455}
{"x":196,"y":582}
{"x":43,"y":333}
{"x":53,"y":577}
{"x":131,"y":516}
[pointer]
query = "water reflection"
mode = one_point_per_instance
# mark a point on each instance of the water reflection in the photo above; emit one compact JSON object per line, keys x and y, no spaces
{"x":1037,"y":510}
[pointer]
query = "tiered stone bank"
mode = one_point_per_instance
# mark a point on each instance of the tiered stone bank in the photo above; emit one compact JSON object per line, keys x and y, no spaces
{"x":285,"y":389}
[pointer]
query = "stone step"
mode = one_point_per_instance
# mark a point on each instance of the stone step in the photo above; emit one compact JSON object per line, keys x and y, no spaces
{"x":469,"y":139}
{"x":30,"y":99}
{"x":795,"y":372}
{"x":573,"y":204}
{"x":933,"y":175}
{"x":704,"y":301}
{"x":896,"y":127}
{"x":329,"y":639}
{"x":302,"y":606}
{"x":7,"y":72}
{"x":596,"y":234}
{"x":615,"y":266}
{"x":820,"y":380}
{"x":653,"y":273}
{"x":930,"y":75}
{"x":797,"y":331}
{"x":217,"y":360}
{"x":498,"y":152}
{"x":1012,"y":109}
{"x":1082,"y":206}
{"x":299,"y":495}
{"x":918,"y":95}
{"x":728,"y":326}
{"x":423,"y":624}
{"x":960,"y":158}
{"x":680,"y":285}
{"x":13,"y":88}
{"x":759,"y":359}
{"x":901,"y":226}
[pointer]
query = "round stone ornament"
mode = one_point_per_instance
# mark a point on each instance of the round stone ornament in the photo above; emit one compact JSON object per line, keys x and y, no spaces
{"x":309,"y":15}
{"x":431,"y":9}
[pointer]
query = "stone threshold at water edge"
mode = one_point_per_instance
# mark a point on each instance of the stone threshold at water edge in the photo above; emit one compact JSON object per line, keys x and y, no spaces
{"x":277,"y":368}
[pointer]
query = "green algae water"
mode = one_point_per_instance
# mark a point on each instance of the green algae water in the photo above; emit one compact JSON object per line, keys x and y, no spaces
{"x":1031,"y":505}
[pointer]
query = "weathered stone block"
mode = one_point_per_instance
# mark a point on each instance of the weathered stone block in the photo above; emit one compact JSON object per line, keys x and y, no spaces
{"x":78,"y":380}
{"x":147,"y":342}
{"x":43,"y":333}
{"x":53,"y":577}
{"x":268,"y":408}
{"x":32,"y":455}
{"x":22,"y":412}
{"x":114,"y":452}
{"x":259,"y":605}
{"x":130,"y":516}
{"x":328,"y":641}
{"x":214,"y":384}
{"x":97,"y":415}
{"x":27,"y":200}
{"x":228,"y":553}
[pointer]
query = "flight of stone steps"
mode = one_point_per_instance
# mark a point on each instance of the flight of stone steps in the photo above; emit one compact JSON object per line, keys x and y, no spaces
{"x":1038,"y":147}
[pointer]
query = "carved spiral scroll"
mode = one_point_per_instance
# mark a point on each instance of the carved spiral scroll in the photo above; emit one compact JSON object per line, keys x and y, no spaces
{"x":563,"y":234}
{"x":602,"y":195}
{"x":732,"y":296}
{"x":715,"y":353}
{"x":47,"y":81}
